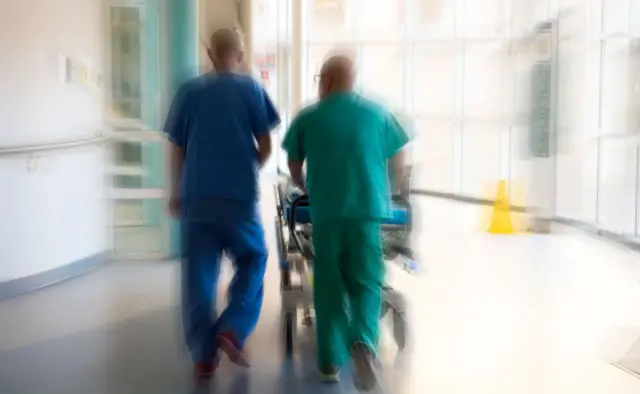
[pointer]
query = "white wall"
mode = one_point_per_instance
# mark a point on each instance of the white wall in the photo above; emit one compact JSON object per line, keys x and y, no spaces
{"x":219,"y":14}
{"x":36,"y":107}
{"x":53,"y":205}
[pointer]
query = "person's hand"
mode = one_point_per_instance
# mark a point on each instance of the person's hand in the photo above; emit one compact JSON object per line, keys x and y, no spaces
{"x":174,"y":207}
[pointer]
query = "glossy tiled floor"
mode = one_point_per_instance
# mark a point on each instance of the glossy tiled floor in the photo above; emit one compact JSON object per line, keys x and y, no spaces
{"x":489,"y":314}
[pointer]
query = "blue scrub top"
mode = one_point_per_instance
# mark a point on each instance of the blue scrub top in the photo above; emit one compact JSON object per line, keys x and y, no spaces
{"x":216,"y":119}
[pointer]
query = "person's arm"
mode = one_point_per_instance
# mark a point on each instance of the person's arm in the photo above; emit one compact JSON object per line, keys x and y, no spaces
{"x":396,"y":138}
{"x":264,"y":149}
{"x":264,"y":119}
{"x":176,"y":128}
{"x":293,"y":145}
{"x":176,"y":161}
{"x":297,"y":175}
{"x":398,"y":166}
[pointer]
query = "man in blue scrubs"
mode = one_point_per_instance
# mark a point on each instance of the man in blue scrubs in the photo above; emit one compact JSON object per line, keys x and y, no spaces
{"x":219,"y":130}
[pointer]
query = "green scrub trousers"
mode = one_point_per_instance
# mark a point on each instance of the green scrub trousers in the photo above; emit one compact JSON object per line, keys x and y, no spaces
{"x":348,"y":276}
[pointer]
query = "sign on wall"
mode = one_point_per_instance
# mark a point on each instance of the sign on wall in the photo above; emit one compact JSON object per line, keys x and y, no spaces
{"x":265,"y":63}
{"x":540,"y":122}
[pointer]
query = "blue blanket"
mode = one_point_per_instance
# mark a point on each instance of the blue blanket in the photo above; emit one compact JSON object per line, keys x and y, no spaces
{"x":303,"y":215}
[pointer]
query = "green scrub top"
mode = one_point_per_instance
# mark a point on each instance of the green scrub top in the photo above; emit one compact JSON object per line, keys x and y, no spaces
{"x":346,"y":141}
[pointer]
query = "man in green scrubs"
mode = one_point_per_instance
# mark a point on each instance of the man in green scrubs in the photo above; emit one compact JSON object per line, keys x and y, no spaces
{"x":348,"y":143}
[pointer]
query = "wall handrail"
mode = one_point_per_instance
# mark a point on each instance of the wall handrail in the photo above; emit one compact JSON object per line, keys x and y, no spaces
{"x":53,"y":146}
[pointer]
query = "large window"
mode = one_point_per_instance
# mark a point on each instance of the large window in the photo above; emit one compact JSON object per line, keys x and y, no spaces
{"x":272,"y":59}
{"x":383,"y":72}
{"x":434,"y":80}
{"x":464,"y":72}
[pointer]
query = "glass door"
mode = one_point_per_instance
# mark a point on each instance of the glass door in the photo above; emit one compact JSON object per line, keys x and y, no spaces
{"x":137,"y":171}
{"x":271,"y":44}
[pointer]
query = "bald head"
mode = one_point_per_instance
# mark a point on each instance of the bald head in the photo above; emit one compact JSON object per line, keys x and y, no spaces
{"x":226,"y":48}
{"x":337,"y":75}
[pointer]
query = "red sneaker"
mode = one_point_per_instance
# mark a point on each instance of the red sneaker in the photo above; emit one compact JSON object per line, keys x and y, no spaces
{"x":228,"y":344}
{"x":204,"y":371}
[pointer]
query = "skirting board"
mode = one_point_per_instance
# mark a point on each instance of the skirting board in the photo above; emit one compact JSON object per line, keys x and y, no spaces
{"x":15,"y":287}
{"x":586,"y":227}
{"x":461,"y":198}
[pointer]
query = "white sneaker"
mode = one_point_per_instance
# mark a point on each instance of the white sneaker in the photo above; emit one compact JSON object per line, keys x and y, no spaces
{"x":364,"y":375}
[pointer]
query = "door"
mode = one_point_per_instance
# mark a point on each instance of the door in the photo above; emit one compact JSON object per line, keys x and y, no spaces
{"x":138,"y":169}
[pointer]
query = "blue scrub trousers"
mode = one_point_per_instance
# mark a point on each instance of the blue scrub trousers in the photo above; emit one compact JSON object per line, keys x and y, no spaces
{"x":240,"y":236}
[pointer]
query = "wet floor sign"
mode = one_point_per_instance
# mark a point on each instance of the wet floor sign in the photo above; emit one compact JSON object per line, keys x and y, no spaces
{"x":501,"y":222}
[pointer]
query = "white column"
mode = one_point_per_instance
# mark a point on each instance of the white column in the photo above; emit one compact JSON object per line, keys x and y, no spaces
{"x":245,"y":17}
{"x":542,"y":190}
{"x":296,"y":56}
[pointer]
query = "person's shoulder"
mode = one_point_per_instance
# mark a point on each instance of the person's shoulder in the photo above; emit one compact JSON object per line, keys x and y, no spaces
{"x":193,"y":86}
{"x":369,"y":104}
{"x":372,"y":107}
{"x":246,"y":81}
{"x":306,"y":113}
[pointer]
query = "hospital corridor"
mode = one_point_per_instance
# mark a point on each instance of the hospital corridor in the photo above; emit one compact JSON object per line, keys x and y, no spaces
{"x":512,"y":249}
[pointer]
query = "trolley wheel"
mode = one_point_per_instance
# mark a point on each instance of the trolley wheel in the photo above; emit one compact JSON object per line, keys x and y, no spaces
{"x":285,"y":279}
{"x":307,"y":319}
{"x":288,"y":322}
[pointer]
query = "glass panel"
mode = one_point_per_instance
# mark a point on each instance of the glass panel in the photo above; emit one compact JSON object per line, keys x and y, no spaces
{"x":128,"y":181}
{"x":139,"y":227}
{"x":265,"y":20}
{"x":486,"y":18}
{"x":383,"y":71}
{"x":616,"y":90}
{"x":486,"y":81}
{"x":379,"y":20}
{"x":284,"y":21}
{"x":429,"y":19}
{"x":615,"y":16}
{"x":575,"y":24}
{"x":616,"y":187}
{"x":571,"y":102}
{"x":126,"y":62}
{"x":327,"y":21}
{"x":480,"y":159}
{"x":434,"y":80}
{"x":139,"y":165}
{"x":433,"y":155}
{"x":128,"y":153}
{"x":634,"y":18}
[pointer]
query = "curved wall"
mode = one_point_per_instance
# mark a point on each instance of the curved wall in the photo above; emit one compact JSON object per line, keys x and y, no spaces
{"x":53,"y":205}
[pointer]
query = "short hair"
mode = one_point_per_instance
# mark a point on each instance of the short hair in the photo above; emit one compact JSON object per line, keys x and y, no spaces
{"x":226,"y":42}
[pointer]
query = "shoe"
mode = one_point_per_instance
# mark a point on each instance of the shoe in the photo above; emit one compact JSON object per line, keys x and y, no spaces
{"x":228,"y":344}
{"x":329,"y":374}
{"x":205,"y":371}
{"x":364,"y":375}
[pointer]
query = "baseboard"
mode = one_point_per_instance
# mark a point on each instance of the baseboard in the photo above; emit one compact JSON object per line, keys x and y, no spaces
{"x":461,"y":198}
{"x":584,"y":226}
{"x":15,"y":287}
{"x":595,"y":230}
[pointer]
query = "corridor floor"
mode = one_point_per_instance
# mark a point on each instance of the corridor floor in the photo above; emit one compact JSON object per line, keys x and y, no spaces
{"x":488,"y":314}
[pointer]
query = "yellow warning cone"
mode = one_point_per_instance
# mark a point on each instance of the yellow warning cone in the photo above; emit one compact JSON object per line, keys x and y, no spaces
{"x":501,"y":216}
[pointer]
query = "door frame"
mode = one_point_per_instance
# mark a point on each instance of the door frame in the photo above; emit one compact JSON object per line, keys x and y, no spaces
{"x":154,"y":99}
